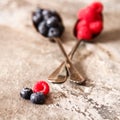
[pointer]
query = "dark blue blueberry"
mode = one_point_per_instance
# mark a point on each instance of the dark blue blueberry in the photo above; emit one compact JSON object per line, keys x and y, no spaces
{"x":48,"y":23}
{"x":37,"y":98}
{"x":54,"y":32}
{"x":39,"y":10}
{"x":52,"y":22}
{"x":37,"y":18}
{"x":43,"y":29}
{"x":55,"y":14}
{"x":61,"y":27}
{"x":26,"y":93}
{"x":46,"y":14}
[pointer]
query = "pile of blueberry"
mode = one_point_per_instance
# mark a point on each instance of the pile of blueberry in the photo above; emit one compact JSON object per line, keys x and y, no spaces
{"x":38,"y":94}
{"x":90,"y":21}
{"x":48,"y":23}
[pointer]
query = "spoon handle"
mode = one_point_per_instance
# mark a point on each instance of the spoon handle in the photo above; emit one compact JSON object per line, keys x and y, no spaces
{"x":55,"y":76}
{"x":60,"y":74}
{"x":62,"y":49}
{"x":71,"y":54}
{"x":73,"y":72}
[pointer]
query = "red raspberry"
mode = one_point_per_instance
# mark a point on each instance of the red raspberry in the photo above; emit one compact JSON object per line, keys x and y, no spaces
{"x":96,"y":27}
{"x":80,"y":24}
{"x":41,"y":86}
{"x":97,"y":6}
{"x":87,"y":14}
{"x":99,"y":17}
{"x":84,"y":33}
{"x":80,"y":13}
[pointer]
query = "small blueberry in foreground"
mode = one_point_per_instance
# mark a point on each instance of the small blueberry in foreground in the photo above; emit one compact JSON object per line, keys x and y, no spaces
{"x":26,"y":93}
{"x":37,"y":98}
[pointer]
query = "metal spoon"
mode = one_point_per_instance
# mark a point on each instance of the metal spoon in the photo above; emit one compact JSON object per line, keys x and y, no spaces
{"x":73,"y":72}
{"x":60,"y":75}
{"x":55,"y":77}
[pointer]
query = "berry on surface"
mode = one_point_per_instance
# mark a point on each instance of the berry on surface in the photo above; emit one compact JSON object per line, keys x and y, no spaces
{"x":41,"y":86}
{"x":37,"y":98}
{"x":26,"y":93}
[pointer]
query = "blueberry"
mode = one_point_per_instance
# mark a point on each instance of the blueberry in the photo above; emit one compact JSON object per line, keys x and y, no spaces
{"x":46,"y":14}
{"x":39,"y":10}
{"x":48,"y":23}
{"x":42,"y":28}
{"x":37,"y":98}
{"x":55,"y":14}
{"x":26,"y":93}
{"x":52,"y":22}
{"x":37,"y":18}
{"x":54,"y":32}
{"x":61,"y":27}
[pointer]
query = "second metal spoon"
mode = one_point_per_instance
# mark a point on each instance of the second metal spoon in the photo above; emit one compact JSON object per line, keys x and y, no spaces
{"x":60,"y":75}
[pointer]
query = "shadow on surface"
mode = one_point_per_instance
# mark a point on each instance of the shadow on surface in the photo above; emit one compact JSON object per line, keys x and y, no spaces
{"x":109,"y":36}
{"x":78,"y":65}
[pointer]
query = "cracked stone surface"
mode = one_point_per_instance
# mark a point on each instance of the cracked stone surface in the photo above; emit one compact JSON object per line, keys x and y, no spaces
{"x":26,"y":57}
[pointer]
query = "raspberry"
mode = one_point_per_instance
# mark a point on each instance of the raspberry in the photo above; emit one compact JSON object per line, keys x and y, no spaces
{"x":80,"y":13}
{"x":99,"y":17}
{"x":41,"y":86}
{"x":96,"y":27}
{"x":87,"y":14}
{"x":84,"y":33}
{"x":89,"y":22}
{"x":97,"y":6}
{"x":80,"y":24}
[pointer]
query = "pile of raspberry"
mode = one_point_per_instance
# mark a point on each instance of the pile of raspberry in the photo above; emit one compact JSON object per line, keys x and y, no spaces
{"x":48,"y":23}
{"x":90,"y":21}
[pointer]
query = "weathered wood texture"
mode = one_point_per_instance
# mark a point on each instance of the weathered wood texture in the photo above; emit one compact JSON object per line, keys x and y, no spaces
{"x":26,"y":57}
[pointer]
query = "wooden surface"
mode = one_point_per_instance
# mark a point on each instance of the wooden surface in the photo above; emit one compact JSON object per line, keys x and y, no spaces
{"x":26,"y":57}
